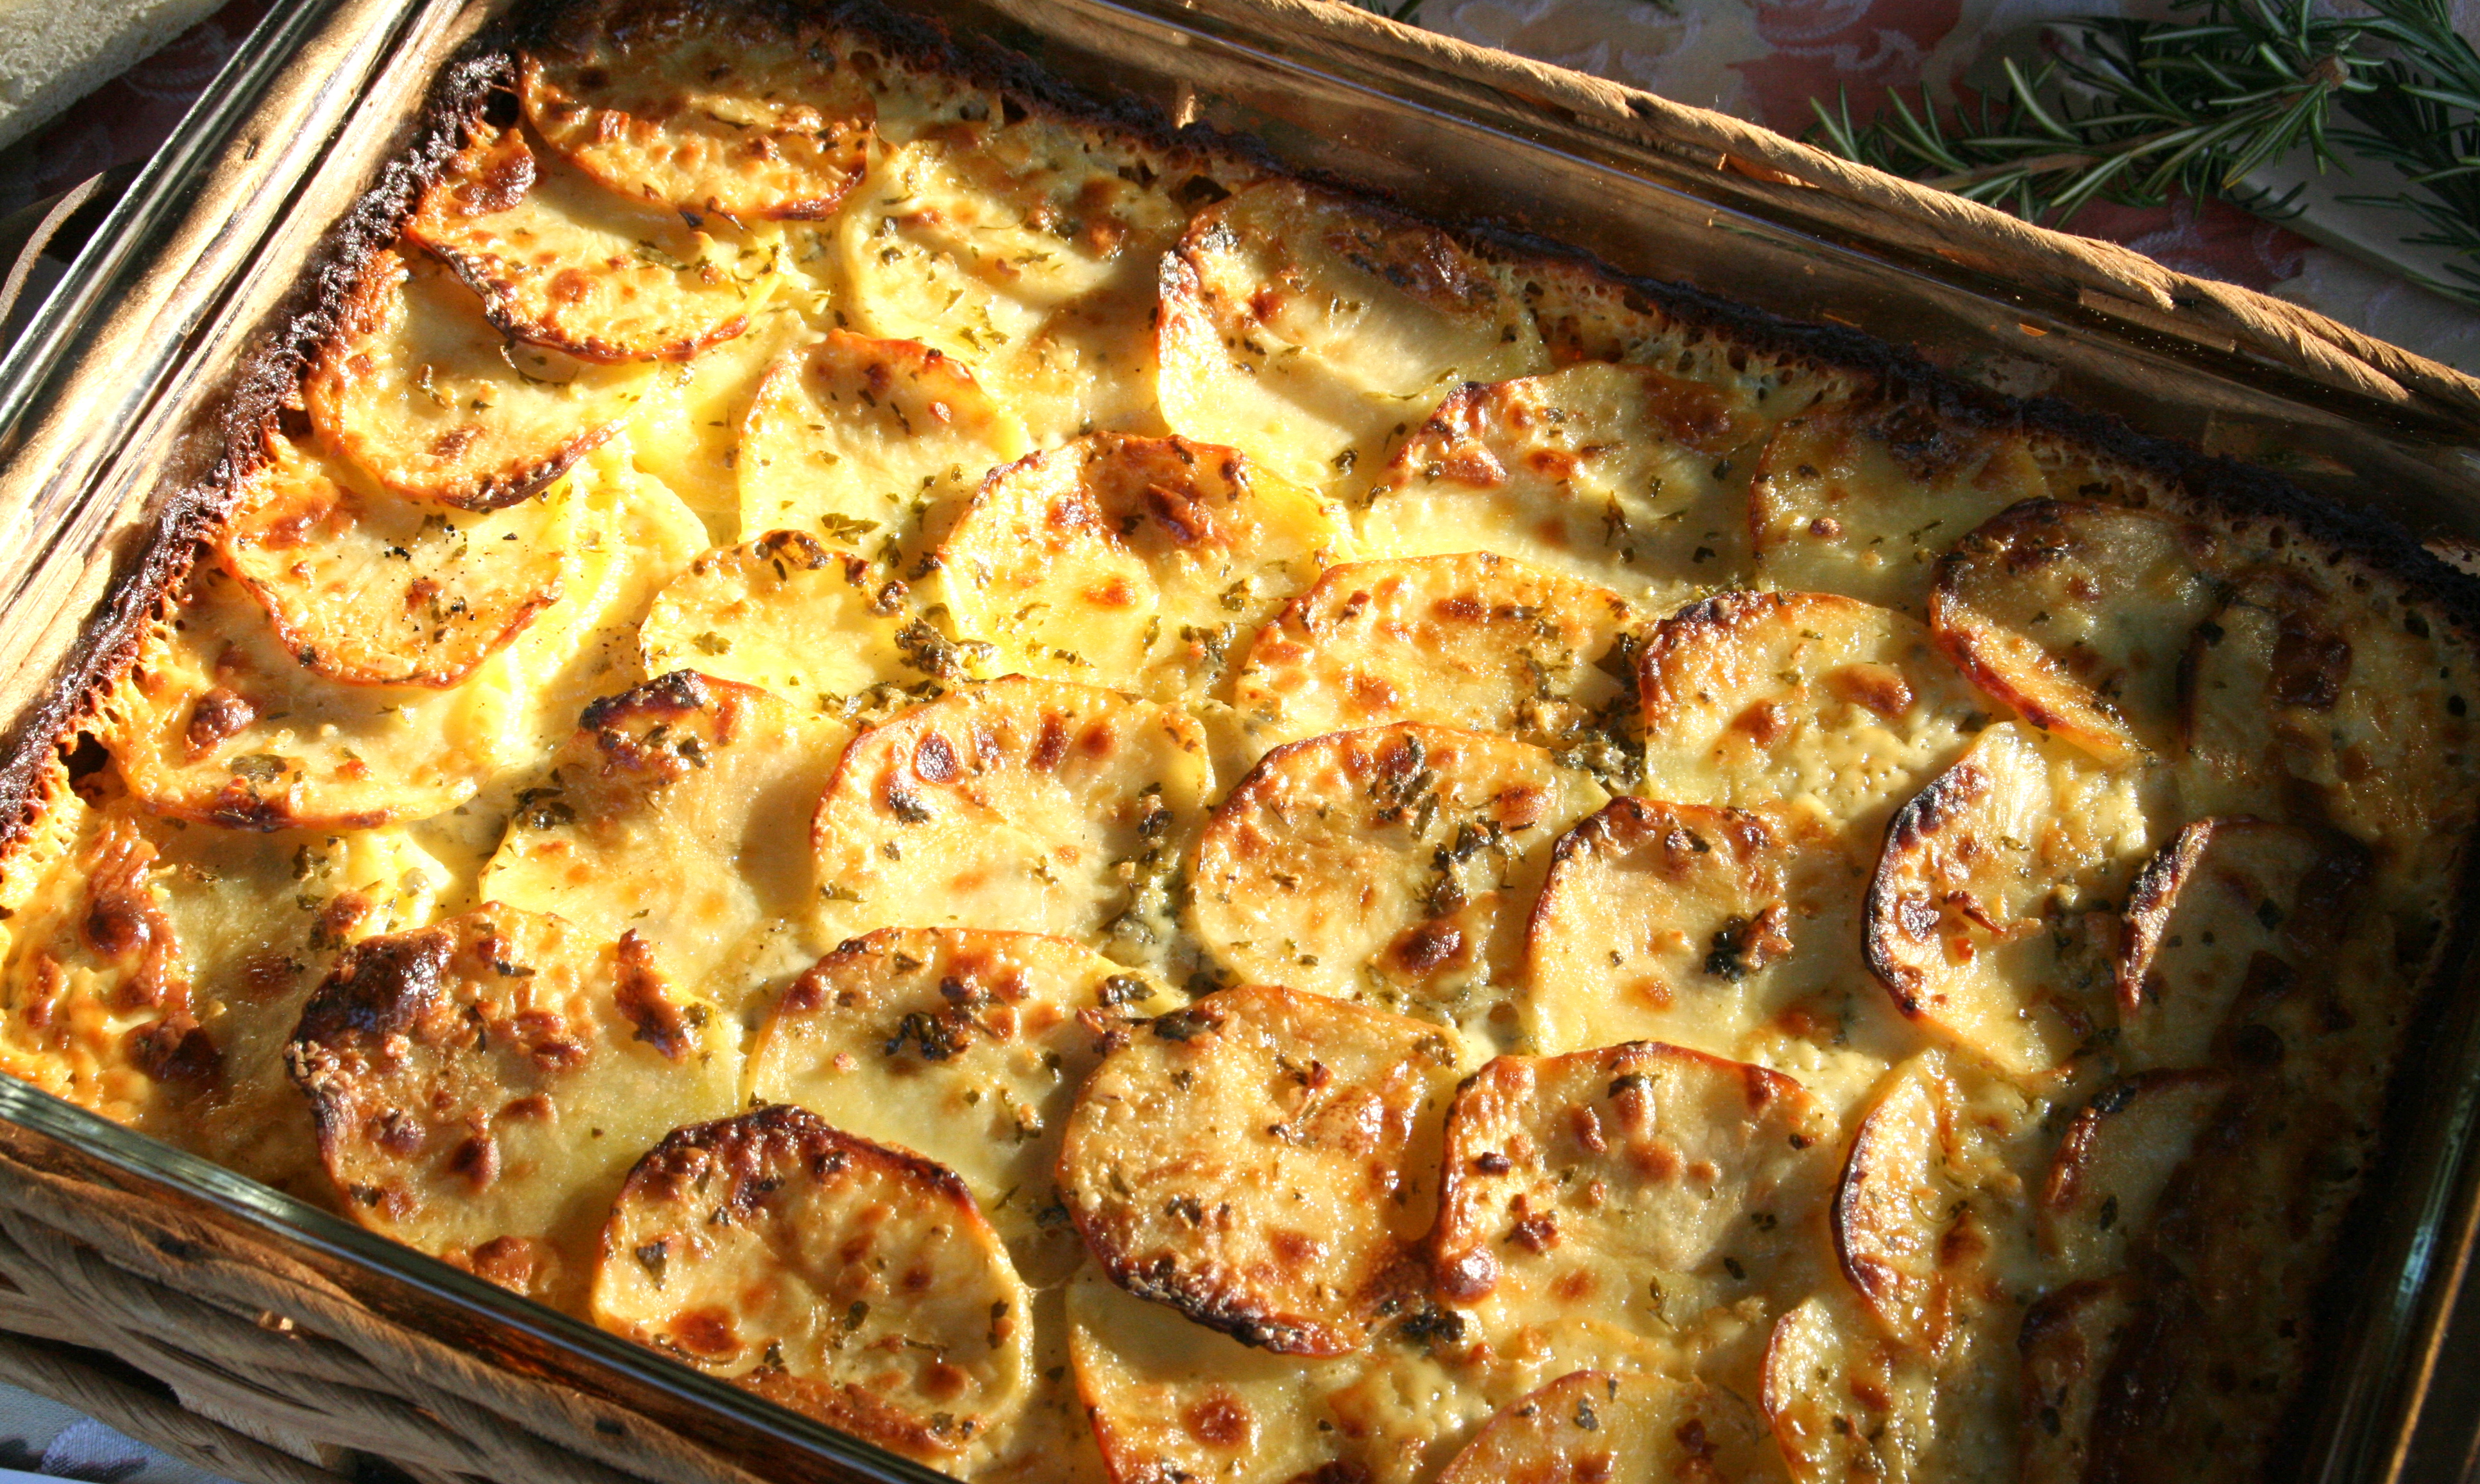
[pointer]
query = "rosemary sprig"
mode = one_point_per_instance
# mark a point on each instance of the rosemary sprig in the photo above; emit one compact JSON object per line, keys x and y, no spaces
{"x":2129,"y":111}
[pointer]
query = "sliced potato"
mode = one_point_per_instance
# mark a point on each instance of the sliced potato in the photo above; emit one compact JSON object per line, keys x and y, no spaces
{"x":2293,"y":679}
{"x":1263,"y":1162}
{"x":1650,"y":914}
{"x":2078,"y":617}
{"x":1396,"y":863}
{"x":563,"y":262}
{"x":218,"y":722}
{"x":1860,"y":496}
{"x":424,"y":394}
{"x":1022,"y":246}
{"x":1844,"y":1402}
{"x":868,"y":441}
{"x":481,"y":1087}
{"x":701,"y":110}
{"x":1910,"y":1238}
{"x":784,"y":614}
{"x":2116,"y":1159}
{"x":677,"y":812}
{"x":378,"y":590}
{"x":1633,"y":1183}
{"x":1311,"y":332}
{"x":1964,"y":923}
{"x":1474,"y":640}
{"x":1169,"y":1398}
{"x":1592,"y":1426}
{"x":966,"y":1046}
{"x":1820,"y":710}
{"x":2068,"y":1342}
{"x":2232,"y":911}
{"x":147,"y":977}
{"x":1624,"y":476}
{"x":254,"y":969}
{"x":1134,"y":560}
{"x":1026,"y":804}
{"x":844,"y":1279}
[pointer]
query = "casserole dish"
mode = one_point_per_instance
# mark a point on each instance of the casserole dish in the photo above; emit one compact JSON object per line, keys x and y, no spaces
{"x":2340,"y":421}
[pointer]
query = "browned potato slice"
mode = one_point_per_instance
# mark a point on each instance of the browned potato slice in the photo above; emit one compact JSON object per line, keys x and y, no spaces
{"x":1821,"y":710}
{"x":481,"y":1087}
{"x":2115,"y":1160}
{"x":2078,"y":616}
{"x":868,"y":441}
{"x":966,"y":1046}
{"x":1170,"y":1400}
{"x":1651,"y":919}
{"x":252,"y":970}
{"x":1622,"y":475}
{"x":1394,"y":863}
{"x":1132,"y":560}
{"x":701,"y":109}
{"x":562,"y":262}
{"x":1023,"y":247}
{"x":1025,"y":804}
{"x":1846,"y":1403}
{"x":1642,"y":1183}
{"x":1910,"y":1238}
{"x":1594,"y":1426}
{"x":1261,"y":1161}
{"x":2068,"y":1342}
{"x":1979,"y":919}
{"x":378,"y":591}
{"x":1311,"y":332}
{"x":2293,"y":679}
{"x":1473,"y":641}
{"x":1862,"y":497}
{"x":423,"y":393}
{"x":216,"y":720}
{"x":679,"y":810}
{"x":784,"y":614}
{"x":2232,"y":912}
{"x":844,"y":1279}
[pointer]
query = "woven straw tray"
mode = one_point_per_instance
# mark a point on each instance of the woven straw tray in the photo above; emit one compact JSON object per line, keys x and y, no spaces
{"x":272,"y":1343}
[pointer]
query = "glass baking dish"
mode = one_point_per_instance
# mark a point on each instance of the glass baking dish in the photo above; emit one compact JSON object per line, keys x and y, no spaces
{"x":108,"y":432}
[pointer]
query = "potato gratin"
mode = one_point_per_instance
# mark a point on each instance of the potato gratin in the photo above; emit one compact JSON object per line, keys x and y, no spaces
{"x":1100,"y":814}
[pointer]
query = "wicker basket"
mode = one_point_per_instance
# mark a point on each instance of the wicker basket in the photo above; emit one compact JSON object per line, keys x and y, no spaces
{"x":208,"y":1342}
{"x":180,"y":1332}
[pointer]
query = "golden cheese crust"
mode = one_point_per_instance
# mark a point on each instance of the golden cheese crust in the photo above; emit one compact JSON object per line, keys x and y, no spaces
{"x":848,"y":1280}
{"x":897,"y":736}
{"x":481,"y":1086}
{"x":1261,"y":1161}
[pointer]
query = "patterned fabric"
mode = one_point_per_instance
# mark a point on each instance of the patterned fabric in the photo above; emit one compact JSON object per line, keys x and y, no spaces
{"x":1761,"y":60}
{"x":41,"y":1439}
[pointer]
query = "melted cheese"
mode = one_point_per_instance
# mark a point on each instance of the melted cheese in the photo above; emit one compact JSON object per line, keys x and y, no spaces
{"x":562,"y":262}
{"x":676,"y":811}
{"x":425,"y":393}
{"x":967,"y":1045}
{"x":481,"y":1087}
{"x":854,"y":1282}
{"x":1622,"y":475}
{"x":375,"y":589}
{"x":1133,"y":559}
{"x":1393,"y":863}
{"x":1312,"y":334}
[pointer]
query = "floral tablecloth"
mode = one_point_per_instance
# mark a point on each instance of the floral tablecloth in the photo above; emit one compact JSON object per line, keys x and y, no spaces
{"x":1762,"y":60}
